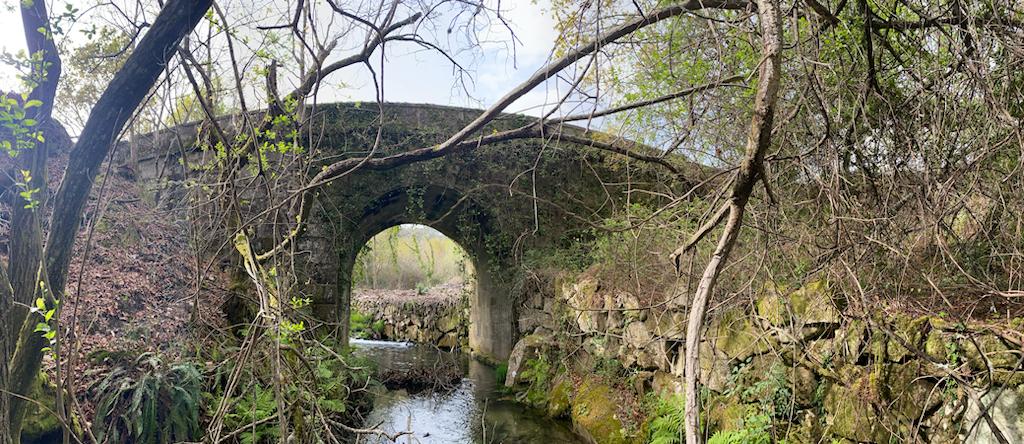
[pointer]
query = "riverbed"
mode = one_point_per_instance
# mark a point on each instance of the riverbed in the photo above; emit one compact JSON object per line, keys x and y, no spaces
{"x":473,"y":411}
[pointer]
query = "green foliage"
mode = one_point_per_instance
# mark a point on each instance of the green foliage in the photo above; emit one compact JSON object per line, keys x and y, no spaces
{"x":666,"y":425}
{"x":537,"y":373}
{"x":359,"y":325}
{"x":409,"y":257}
{"x":322,"y":382}
{"x":378,"y":327}
{"x":422,"y":288}
{"x":609,"y":368}
{"x":501,"y":372}
{"x":46,"y":312}
{"x":148,"y":402}
{"x":255,"y":407}
{"x":756,"y":430}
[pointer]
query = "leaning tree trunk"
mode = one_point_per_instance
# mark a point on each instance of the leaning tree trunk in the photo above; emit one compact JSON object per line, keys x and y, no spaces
{"x":751,"y":169}
{"x":108,"y":117}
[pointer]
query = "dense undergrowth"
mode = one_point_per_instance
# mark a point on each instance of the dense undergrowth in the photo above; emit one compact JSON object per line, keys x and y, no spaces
{"x":145,"y":400}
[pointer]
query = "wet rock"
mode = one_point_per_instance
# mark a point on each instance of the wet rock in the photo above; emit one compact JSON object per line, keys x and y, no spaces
{"x":449,"y":340}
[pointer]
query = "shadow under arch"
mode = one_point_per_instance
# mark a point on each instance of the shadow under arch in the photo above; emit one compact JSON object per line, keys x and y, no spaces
{"x":491,"y":319}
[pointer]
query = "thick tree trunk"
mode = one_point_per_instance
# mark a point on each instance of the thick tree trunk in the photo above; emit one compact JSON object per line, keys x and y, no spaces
{"x":124,"y":94}
{"x":26,"y":256}
{"x":6,"y":299}
{"x":750,"y":171}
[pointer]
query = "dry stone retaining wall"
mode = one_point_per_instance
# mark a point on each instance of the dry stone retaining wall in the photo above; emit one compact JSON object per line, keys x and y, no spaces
{"x":876,"y":379}
{"x":439,"y":317}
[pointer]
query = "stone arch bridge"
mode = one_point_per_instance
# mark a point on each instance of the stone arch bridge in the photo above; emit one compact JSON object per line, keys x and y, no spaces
{"x":500,"y":202}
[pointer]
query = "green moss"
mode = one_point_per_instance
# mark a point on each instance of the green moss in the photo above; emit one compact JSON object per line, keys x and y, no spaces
{"x":41,"y":426}
{"x":728,"y":413}
{"x":558,"y":401}
{"x":360,"y":324}
{"x":738,"y":337}
{"x":595,"y":415}
{"x":501,"y":372}
{"x":850,"y":412}
{"x":988,"y":348}
{"x":811,"y":304}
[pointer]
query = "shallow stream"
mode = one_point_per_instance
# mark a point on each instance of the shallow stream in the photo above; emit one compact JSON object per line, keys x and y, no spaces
{"x":474,"y":411}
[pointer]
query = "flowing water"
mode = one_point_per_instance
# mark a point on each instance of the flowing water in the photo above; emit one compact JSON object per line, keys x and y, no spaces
{"x":475,"y":411}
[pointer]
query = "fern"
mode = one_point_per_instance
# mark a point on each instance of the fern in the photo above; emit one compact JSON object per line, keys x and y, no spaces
{"x":756,"y":430}
{"x":148,"y":403}
{"x":253,"y":408}
{"x":667,"y":425}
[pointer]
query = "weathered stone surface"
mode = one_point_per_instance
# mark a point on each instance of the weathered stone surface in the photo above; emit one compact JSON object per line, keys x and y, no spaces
{"x":595,"y":414}
{"x":665,"y":383}
{"x":988,"y":349}
{"x":591,"y":321}
{"x":1007,"y":411}
{"x":735,"y":334}
{"x":714,"y":368}
{"x":652,"y":356}
{"x":530,"y":319}
{"x":668,"y":324}
{"x":805,"y":385}
{"x":811,"y":304}
{"x":528,"y":347}
{"x":559,"y":399}
{"x":403,"y":316}
{"x":909,"y":392}
{"x":851,"y":414}
{"x":581,"y":295}
{"x":637,"y":335}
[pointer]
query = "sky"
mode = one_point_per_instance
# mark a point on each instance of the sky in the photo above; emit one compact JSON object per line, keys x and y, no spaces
{"x":411,"y":74}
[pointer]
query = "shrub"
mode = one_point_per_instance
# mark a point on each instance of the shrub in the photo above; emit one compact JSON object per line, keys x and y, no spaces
{"x":148,"y":402}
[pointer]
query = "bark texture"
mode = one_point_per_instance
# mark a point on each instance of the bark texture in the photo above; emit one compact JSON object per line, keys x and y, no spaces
{"x":120,"y":100}
{"x":751,"y":170}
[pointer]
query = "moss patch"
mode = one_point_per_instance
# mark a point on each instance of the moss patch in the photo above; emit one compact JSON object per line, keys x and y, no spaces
{"x":41,"y":426}
{"x":594,"y":414}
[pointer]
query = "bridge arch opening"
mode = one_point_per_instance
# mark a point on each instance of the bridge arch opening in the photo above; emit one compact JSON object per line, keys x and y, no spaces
{"x":411,"y":282}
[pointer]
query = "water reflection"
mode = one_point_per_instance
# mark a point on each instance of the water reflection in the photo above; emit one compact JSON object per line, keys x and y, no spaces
{"x":473,"y":412}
